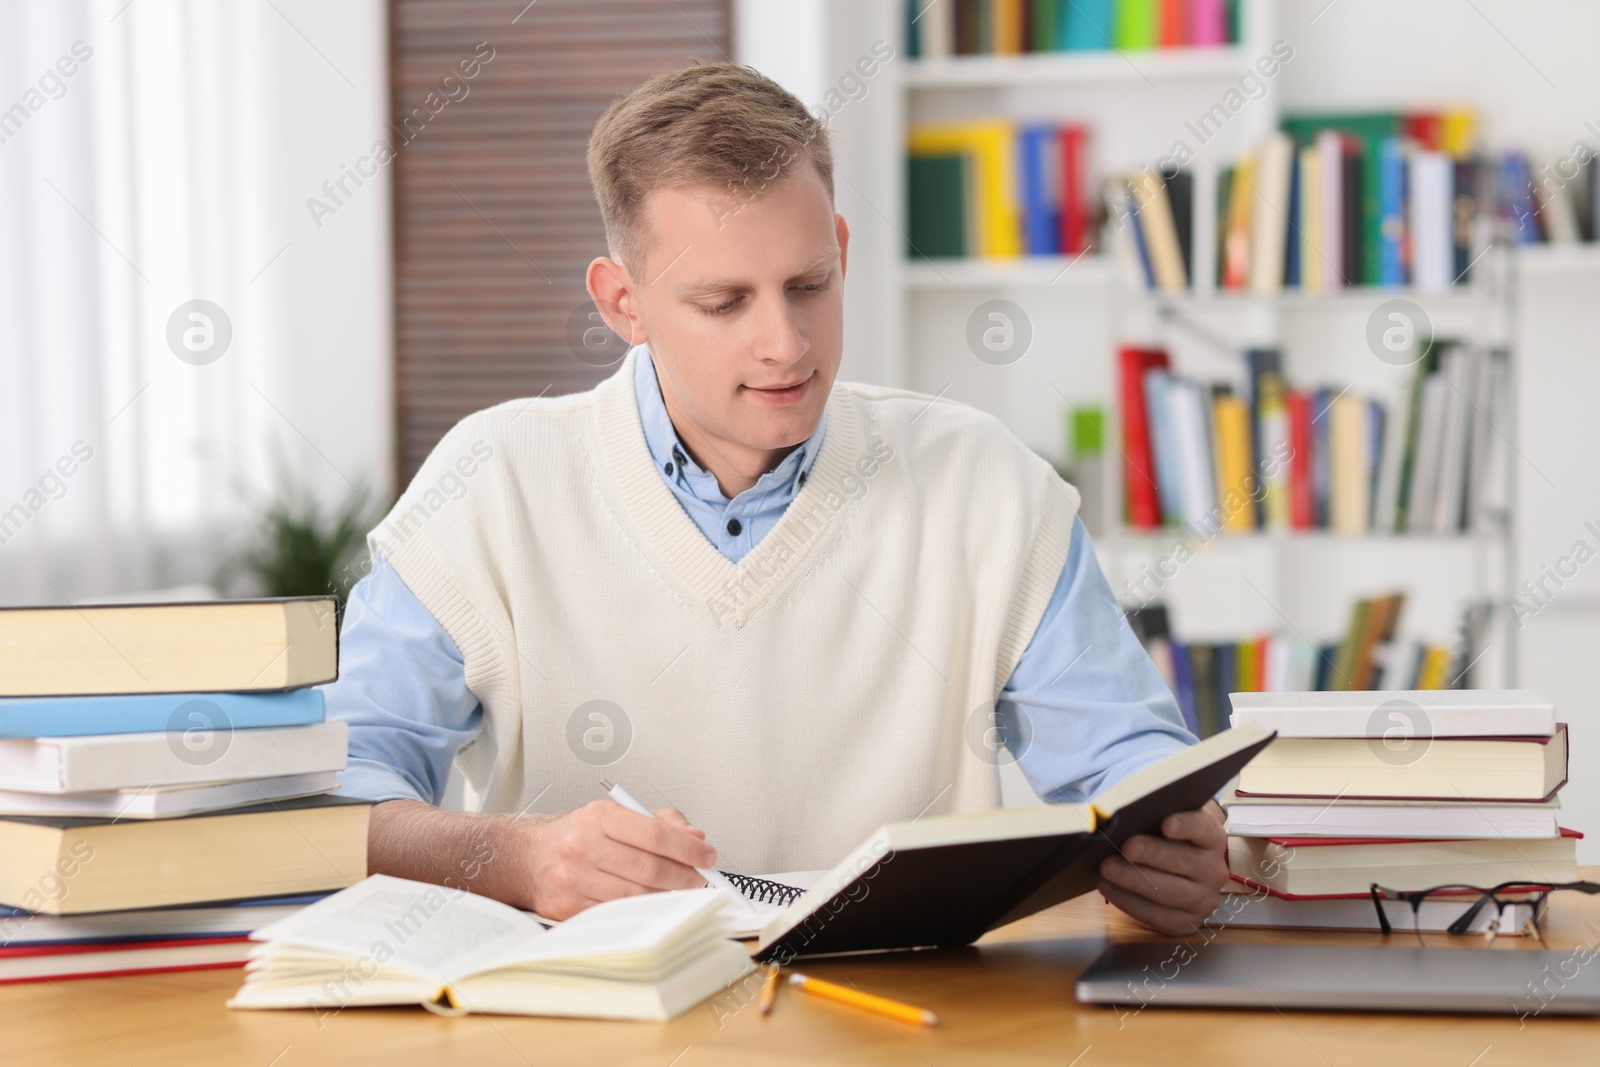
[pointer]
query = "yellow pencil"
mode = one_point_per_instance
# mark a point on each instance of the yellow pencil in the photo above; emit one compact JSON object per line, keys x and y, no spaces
{"x":769,"y":990}
{"x":844,"y":995}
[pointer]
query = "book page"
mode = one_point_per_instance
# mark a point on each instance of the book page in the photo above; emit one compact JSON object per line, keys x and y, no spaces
{"x":421,"y":929}
{"x":628,"y":928}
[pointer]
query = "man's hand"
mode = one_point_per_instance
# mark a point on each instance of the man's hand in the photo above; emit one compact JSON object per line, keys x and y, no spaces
{"x":1171,"y":883}
{"x":556,"y":865}
{"x":603,"y":851}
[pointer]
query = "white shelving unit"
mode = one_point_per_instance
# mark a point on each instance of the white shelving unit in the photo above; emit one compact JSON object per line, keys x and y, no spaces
{"x":1137,"y":105}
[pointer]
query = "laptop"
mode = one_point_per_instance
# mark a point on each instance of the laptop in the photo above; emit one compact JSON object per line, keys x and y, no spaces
{"x":1344,"y":978}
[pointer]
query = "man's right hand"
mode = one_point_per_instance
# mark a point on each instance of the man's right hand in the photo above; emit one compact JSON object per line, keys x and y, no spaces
{"x":602,"y":851}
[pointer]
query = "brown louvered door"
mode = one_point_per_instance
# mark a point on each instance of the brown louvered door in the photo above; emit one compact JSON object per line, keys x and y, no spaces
{"x":493,"y":215}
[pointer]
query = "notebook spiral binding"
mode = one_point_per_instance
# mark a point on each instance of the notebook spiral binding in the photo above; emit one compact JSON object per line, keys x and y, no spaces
{"x":763,"y":891}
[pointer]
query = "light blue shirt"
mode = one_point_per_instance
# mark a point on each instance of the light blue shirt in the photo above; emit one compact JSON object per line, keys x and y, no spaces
{"x":1083,"y":708}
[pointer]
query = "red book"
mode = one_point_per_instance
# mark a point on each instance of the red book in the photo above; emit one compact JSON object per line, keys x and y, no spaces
{"x":101,"y":959}
{"x":1172,"y":30}
{"x":1142,"y":505}
{"x":1424,"y":128}
{"x":1261,"y":663}
{"x":1302,"y":496}
{"x":1074,"y":189}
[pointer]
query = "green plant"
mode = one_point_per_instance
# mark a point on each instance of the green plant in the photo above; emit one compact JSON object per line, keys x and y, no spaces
{"x":298,"y":546}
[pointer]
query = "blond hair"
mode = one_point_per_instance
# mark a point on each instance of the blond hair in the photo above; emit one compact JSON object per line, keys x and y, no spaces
{"x":715,"y":124}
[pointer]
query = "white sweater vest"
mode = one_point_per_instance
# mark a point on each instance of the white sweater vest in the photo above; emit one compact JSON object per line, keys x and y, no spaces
{"x":838,"y":677}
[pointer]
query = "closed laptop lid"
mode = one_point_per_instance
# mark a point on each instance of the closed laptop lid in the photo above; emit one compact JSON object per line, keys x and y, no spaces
{"x":1344,"y":978}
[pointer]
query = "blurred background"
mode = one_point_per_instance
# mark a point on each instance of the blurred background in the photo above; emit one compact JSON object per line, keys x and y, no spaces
{"x":256,"y":258}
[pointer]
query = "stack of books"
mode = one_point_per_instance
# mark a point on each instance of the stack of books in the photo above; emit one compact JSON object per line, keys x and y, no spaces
{"x":1213,"y":457}
{"x":1408,"y":790}
{"x":1018,"y":27}
{"x":164,"y":781}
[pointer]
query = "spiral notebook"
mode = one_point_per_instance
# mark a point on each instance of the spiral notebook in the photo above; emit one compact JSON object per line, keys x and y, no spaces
{"x":770,"y":895}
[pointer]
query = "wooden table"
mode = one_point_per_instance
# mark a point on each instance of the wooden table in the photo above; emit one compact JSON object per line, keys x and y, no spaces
{"x":1007,"y":1000}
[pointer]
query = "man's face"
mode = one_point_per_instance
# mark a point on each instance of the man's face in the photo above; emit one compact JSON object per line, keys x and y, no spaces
{"x":742,"y":305}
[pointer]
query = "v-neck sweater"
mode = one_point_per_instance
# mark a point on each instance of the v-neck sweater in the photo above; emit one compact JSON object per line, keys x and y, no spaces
{"x":858,"y":648}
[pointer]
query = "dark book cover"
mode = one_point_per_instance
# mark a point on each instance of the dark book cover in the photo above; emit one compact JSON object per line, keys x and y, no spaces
{"x":1180,"y":193}
{"x":947,"y":895}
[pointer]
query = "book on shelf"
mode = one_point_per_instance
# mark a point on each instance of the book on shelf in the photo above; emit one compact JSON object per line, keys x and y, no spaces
{"x":1286,"y":457}
{"x":1018,"y":27}
{"x":1252,"y":906}
{"x":1426,"y":768}
{"x":996,"y":189}
{"x":220,"y":646}
{"x":1282,"y":677}
{"x":1318,"y":866}
{"x":649,"y":957}
{"x":102,"y":864}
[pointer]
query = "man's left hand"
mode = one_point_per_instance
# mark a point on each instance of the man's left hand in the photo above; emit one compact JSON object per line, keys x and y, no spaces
{"x":1173,"y":882}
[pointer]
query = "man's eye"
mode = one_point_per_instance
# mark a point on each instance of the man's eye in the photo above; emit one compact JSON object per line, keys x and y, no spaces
{"x":717,"y":309}
{"x":814,"y":287}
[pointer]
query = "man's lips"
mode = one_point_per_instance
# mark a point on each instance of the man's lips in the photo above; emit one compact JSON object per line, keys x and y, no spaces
{"x":783,"y":393}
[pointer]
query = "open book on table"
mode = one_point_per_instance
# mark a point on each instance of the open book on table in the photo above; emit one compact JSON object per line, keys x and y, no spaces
{"x":949,"y":879}
{"x":393,"y":941}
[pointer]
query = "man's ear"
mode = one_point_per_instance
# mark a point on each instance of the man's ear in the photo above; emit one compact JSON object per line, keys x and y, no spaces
{"x":842,"y":231}
{"x":613,"y":291}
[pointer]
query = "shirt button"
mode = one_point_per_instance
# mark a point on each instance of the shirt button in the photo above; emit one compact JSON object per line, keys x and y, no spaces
{"x":678,"y":455}
{"x":734,"y":527}
{"x":668,"y":468}
{"x":803,"y":477}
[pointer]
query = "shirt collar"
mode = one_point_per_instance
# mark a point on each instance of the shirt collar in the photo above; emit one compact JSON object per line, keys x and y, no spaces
{"x":679,"y":469}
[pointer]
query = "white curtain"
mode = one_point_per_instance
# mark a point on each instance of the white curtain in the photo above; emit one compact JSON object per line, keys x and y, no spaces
{"x":153,"y":154}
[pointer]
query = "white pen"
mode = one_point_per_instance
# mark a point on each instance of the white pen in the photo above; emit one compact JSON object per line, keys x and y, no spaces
{"x":712,"y":877}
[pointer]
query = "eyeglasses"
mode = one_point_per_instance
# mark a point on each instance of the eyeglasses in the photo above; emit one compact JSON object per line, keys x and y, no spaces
{"x":1501,"y":897}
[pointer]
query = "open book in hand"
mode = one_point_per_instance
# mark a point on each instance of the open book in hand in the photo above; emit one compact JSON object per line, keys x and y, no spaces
{"x":949,"y":879}
{"x":392,"y":941}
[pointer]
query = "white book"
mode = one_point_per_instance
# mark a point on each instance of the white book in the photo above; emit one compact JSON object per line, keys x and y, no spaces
{"x":167,"y":802}
{"x":1557,"y":213}
{"x":1460,"y":369}
{"x":1405,"y":662}
{"x":1430,"y":440}
{"x":1269,"y":214}
{"x":1280,"y":663}
{"x":1199,"y":482}
{"x":1303,"y":670}
{"x":936,"y":29}
{"x":1444,"y":713}
{"x":1276,"y":817}
{"x":1432,"y":221}
{"x":1330,"y":159}
{"x":643,"y":957}
{"x":104,"y":762}
{"x":1491,"y":451}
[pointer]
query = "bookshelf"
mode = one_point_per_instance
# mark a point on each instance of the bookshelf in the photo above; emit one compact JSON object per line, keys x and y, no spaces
{"x":1080,"y":307}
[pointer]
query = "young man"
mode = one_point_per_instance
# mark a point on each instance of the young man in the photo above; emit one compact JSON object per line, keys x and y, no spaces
{"x":784,"y":605}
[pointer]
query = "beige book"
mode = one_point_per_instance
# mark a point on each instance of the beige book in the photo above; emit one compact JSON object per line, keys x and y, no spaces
{"x":223,"y":646}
